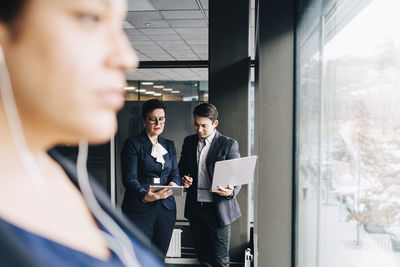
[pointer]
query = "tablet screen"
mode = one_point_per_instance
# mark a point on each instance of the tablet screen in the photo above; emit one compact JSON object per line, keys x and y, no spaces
{"x":176,"y":190}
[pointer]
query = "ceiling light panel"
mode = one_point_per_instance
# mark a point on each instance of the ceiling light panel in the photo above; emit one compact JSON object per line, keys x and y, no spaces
{"x":141,"y":37}
{"x":202,"y":37}
{"x":203,"y":56}
{"x":188,"y":23}
{"x":139,"y":5}
{"x":143,"y":57}
{"x":132,"y":32}
{"x":174,"y":43}
{"x":156,"y":54}
{"x":200,"y":31}
{"x":127,"y":25}
{"x":186,"y":72}
{"x":143,"y":15}
{"x":197,"y":42}
{"x":200,"y":48}
{"x":164,"y":37}
{"x":162,"y":75}
{"x":167,"y":72}
{"x":174,"y":4}
{"x":196,"y":74}
{"x":158,"y":31}
{"x":163,"y":58}
{"x":187,"y":56}
{"x":149,"y":24}
{"x":186,"y":14}
{"x":145,"y":44}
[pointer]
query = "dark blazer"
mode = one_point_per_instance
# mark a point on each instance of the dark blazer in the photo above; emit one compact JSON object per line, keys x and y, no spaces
{"x":222,"y":148}
{"x":138,"y":166}
{"x":13,"y":252}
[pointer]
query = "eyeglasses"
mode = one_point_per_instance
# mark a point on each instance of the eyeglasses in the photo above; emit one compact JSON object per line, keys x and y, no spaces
{"x":160,"y":120}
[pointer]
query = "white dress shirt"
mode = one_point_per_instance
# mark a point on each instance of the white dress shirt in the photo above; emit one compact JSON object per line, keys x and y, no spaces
{"x":203,"y":180}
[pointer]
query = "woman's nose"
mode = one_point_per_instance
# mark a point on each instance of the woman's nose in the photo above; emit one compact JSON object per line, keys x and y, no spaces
{"x":123,"y":56}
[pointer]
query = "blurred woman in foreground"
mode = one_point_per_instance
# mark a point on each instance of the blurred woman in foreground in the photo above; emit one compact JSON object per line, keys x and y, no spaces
{"x":62,"y":66}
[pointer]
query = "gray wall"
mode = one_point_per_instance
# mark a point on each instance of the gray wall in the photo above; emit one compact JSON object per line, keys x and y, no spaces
{"x":273,"y":133}
{"x":229,"y":83}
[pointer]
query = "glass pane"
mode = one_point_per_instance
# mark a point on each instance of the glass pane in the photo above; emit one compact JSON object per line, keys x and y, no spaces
{"x":348,"y":134}
{"x":179,"y":96}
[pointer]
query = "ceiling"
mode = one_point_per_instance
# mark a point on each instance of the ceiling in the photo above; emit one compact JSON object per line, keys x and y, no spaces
{"x":171,"y":30}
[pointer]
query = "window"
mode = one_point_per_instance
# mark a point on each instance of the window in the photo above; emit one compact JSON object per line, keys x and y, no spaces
{"x":348,"y":133}
{"x":181,"y":89}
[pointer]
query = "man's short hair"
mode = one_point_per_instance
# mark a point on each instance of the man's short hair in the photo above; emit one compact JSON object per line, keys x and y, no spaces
{"x":206,"y":110}
{"x":151,"y":105}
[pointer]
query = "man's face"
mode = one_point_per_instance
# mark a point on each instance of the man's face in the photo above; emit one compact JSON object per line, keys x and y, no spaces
{"x":204,"y":126}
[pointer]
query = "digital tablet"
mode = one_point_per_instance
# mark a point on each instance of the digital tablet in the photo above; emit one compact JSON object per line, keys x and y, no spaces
{"x":176,"y":190}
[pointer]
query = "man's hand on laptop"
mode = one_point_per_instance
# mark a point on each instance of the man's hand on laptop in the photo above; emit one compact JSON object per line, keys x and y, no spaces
{"x":224,"y":191}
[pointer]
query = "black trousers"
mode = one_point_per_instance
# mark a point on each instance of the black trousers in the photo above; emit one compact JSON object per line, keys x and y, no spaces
{"x":157,"y":223}
{"x":210,"y":239}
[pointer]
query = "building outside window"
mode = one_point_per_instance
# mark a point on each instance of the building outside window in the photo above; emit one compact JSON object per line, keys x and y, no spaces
{"x":348,"y":134}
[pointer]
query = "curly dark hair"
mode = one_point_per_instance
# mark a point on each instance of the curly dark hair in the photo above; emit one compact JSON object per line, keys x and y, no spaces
{"x":151,"y":105}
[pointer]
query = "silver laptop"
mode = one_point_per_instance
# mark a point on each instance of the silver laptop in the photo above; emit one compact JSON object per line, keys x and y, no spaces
{"x":234,"y":171}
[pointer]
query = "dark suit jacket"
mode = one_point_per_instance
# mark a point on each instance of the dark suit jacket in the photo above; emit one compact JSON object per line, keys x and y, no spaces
{"x":138,"y":166}
{"x":13,"y":252}
{"x":222,"y":148}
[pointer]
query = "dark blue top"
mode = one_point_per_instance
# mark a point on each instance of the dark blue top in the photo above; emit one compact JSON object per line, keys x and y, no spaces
{"x":139,"y":166}
{"x":50,"y":253}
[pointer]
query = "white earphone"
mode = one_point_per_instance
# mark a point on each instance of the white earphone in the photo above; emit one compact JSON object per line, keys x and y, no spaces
{"x":14,"y":122}
{"x":117,"y":240}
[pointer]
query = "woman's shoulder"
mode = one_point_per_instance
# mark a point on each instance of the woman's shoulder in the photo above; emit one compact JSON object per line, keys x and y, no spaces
{"x":14,"y":251}
{"x":163,"y":139}
{"x":136,"y":140}
{"x":169,"y":143}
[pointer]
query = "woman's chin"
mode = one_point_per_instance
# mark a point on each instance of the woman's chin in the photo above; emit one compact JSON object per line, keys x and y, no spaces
{"x":101,"y":132}
{"x":102,"y":136}
{"x":95,"y":129}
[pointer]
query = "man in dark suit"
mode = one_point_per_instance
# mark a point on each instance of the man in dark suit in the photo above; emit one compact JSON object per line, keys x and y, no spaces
{"x":210,"y":212}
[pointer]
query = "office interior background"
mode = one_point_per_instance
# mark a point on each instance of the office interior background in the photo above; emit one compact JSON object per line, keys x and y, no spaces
{"x":310,"y":86}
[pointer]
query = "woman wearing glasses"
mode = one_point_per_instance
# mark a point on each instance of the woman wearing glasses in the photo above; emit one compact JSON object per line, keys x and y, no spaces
{"x":148,"y":159}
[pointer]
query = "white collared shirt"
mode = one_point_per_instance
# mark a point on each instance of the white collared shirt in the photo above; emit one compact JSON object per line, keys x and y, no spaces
{"x":203,"y":180}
